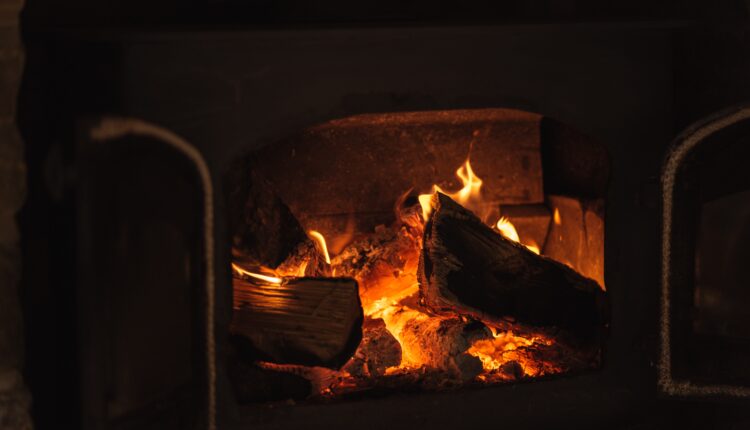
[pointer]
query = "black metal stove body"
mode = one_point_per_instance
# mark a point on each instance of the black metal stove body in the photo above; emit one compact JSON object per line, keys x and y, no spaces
{"x":226,"y":93}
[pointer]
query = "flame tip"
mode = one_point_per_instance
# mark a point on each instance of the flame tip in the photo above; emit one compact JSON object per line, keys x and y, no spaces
{"x":321,"y":241}
{"x":265,"y":278}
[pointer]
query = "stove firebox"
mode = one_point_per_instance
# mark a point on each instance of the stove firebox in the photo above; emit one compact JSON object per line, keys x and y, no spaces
{"x":464,"y":278}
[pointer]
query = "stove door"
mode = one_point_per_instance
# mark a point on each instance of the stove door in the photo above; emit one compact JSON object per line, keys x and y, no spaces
{"x":705,"y":321}
{"x":142,"y":277}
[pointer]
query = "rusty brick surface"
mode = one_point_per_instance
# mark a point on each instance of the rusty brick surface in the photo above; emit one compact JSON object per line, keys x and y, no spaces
{"x":576,"y":236}
{"x":362,"y":164}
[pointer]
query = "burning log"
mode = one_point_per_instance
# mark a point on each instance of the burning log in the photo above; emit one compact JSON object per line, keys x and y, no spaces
{"x":437,"y":342}
{"x":468,"y":268}
{"x":378,"y":350}
{"x":265,"y":232}
{"x":308,"y":321}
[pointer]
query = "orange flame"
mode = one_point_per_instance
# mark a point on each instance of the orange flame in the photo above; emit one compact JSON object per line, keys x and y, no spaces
{"x":469,"y":196}
{"x":265,"y":278}
{"x":472,"y":183}
{"x":507,"y":229}
{"x":321,"y":241}
{"x":301,"y":269}
{"x":339,"y":243}
{"x":533,"y":247}
{"x":471,"y":189}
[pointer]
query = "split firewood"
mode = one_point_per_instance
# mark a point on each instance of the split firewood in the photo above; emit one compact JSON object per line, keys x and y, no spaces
{"x":265,"y":232}
{"x":305,"y":260}
{"x":308,"y":321}
{"x":468,"y":268}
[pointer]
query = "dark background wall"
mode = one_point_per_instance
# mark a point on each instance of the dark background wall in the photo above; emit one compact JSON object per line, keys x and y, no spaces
{"x":268,"y":12}
{"x":711,"y":55}
{"x":712,"y":60}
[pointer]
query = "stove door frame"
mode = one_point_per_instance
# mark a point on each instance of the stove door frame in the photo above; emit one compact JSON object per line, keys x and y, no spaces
{"x":98,"y":141}
{"x":679,"y":222}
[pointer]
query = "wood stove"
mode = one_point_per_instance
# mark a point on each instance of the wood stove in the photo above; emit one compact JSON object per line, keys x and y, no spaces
{"x":143,"y":174}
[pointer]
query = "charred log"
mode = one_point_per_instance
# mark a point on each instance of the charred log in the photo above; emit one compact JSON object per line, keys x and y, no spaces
{"x":305,"y":260}
{"x":467,"y":267}
{"x":264,"y":229}
{"x":266,"y":234}
{"x":307,"y":321}
{"x":252,"y":383}
{"x":378,"y":351}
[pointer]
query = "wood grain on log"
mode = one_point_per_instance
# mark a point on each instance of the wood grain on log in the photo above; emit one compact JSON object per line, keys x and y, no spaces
{"x":309,"y":321}
{"x":468,"y":268}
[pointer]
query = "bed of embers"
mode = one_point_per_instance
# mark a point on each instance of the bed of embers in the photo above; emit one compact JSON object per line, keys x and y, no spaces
{"x":445,"y":296}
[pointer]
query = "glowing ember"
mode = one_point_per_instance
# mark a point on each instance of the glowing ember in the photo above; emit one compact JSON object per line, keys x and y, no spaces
{"x":504,"y":347}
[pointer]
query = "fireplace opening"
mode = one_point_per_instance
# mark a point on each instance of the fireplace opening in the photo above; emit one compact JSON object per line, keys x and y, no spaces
{"x":403,"y":252}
